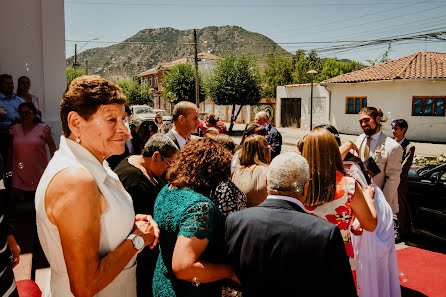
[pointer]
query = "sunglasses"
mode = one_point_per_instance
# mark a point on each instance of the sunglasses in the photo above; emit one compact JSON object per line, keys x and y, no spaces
{"x":25,"y":112}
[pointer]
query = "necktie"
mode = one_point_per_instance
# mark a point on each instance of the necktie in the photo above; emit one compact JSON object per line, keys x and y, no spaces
{"x":367,"y":149}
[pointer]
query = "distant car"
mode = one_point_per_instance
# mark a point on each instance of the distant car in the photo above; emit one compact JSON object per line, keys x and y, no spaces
{"x":221,"y":127}
{"x":141,"y":113}
{"x":427,"y":200}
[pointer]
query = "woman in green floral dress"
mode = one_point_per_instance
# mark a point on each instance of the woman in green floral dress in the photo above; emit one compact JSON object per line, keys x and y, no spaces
{"x":191,"y":260}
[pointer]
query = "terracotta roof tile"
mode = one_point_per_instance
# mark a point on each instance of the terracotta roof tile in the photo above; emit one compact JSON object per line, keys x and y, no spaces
{"x":420,"y":65}
{"x":300,"y":85}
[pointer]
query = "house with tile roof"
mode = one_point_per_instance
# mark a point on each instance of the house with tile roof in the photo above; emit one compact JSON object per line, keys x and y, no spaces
{"x":412,"y":88}
{"x":154,"y":76}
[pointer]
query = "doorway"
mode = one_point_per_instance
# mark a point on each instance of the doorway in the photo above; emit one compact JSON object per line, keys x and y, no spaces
{"x":291,"y":112}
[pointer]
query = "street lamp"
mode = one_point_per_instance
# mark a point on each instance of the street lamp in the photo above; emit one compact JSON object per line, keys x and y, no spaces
{"x":311,"y":72}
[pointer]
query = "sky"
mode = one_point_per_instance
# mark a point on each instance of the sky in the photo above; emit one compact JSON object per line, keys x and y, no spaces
{"x":317,"y":24}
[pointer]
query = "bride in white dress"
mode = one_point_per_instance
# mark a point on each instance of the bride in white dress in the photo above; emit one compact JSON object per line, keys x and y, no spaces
{"x":85,"y":218}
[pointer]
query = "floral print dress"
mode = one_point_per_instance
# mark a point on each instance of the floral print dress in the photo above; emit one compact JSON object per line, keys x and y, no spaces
{"x":338,"y":211}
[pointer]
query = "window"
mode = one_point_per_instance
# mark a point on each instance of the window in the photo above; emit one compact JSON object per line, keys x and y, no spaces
{"x":155,"y":81}
{"x":354,"y":104}
{"x":428,"y":105}
{"x":150,"y":82}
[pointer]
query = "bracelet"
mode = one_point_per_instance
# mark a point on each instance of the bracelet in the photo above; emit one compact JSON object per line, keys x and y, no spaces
{"x":195,"y":281}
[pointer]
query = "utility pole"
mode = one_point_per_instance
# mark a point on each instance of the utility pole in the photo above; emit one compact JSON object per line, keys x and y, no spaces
{"x":86,"y":67}
{"x":197,"y":82}
{"x":75,"y":55}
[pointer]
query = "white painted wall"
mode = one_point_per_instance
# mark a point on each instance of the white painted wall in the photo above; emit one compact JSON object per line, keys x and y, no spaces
{"x":321,"y":104}
{"x":33,"y":44}
{"x":394,"y":97}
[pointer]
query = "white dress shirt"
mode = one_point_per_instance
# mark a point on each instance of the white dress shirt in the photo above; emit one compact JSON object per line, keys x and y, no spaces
{"x":181,"y":141}
{"x":374,"y":141}
{"x":287,"y":198}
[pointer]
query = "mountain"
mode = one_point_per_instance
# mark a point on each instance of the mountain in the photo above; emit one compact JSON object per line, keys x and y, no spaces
{"x":148,"y":47}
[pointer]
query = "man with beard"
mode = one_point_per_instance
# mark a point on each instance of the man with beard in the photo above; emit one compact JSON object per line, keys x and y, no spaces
{"x":385,"y":151}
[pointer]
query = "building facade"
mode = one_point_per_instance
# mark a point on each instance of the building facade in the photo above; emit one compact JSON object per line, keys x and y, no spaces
{"x":412,"y":88}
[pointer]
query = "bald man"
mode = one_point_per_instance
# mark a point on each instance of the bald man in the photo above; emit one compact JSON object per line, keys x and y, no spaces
{"x":185,"y":122}
{"x":274,"y":138}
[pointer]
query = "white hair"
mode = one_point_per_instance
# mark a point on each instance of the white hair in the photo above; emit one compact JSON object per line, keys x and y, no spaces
{"x":263,"y":114}
{"x":286,"y":170}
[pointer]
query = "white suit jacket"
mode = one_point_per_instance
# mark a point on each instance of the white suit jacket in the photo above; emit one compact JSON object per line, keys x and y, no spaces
{"x":388,"y":155}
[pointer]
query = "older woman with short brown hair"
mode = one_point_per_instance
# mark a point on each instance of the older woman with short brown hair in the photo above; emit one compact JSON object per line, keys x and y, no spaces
{"x":85,"y":218}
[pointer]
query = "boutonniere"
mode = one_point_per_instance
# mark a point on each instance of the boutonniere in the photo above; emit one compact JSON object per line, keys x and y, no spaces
{"x":378,"y":151}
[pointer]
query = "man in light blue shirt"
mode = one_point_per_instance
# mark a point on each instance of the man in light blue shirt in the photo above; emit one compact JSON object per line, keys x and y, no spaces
{"x":9,"y":112}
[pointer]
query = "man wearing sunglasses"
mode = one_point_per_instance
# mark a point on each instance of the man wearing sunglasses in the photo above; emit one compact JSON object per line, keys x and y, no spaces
{"x":399,"y":129}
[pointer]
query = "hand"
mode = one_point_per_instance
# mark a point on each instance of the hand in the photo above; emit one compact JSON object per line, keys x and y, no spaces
{"x":356,"y":229}
{"x":147,"y":228}
{"x":354,"y":147}
{"x":15,"y":249}
{"x":369,"y":192}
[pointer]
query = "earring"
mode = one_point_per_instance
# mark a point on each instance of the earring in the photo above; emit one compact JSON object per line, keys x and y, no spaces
{"x":78,"y":140}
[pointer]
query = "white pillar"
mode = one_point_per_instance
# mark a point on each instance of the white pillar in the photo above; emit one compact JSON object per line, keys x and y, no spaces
{"x":33,"y":44}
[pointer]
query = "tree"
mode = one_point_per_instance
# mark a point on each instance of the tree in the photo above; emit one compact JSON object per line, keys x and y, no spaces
{"x":303,"y":63}
{"x":333,"y":67}
{"x":234,"y":81}
{"x":180,"y":84}
{"x":135,"y":92}
{"x":278,"y":72}
{"x":73,"y":72}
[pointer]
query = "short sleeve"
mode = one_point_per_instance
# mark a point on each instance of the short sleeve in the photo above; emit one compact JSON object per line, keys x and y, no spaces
{"x":199,"y":221}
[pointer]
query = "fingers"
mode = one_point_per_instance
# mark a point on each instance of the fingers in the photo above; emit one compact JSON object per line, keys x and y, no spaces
{"x":354,"y":147}
{"x":141,"y":217}
{"x":155,"y":229}
{"x":16,"y":260}
{"x":146,"y":226}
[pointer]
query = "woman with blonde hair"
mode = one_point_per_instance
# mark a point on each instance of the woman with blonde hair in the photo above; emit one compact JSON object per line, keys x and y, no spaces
{"x":250,"y":176}
{"x":332,"y":195}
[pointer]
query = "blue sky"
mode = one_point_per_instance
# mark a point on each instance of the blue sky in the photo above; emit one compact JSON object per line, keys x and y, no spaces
{"x":292,"y":24}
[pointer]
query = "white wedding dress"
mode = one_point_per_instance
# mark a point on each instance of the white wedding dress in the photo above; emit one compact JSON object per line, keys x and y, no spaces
{"x":375,"y":255}
{"x":116,"y":222}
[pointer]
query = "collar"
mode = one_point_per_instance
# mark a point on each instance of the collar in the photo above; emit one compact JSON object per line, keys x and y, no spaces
{"x":376,"y":135}
{"x":86,"y":159}
{"x":286,"y":198}
{"x":402,"y":140}
{"x":181,"y":140}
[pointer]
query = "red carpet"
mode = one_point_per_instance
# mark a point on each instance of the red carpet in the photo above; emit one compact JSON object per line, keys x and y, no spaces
{"x":422,"y":271}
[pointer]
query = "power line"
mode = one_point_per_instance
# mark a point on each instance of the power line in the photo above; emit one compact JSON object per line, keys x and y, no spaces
{"x":383,"y":19}
{"x":240,"y":4}
{"x":355,"y":18}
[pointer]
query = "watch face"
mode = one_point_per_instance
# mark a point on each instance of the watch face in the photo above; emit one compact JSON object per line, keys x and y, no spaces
{"x":138,"y":242}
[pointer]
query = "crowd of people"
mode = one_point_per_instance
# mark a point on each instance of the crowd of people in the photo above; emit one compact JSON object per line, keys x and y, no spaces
{"x":152,"y":211}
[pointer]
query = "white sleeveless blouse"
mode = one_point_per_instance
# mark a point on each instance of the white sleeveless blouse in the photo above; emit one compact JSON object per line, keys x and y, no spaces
{"x":116,"y":222}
